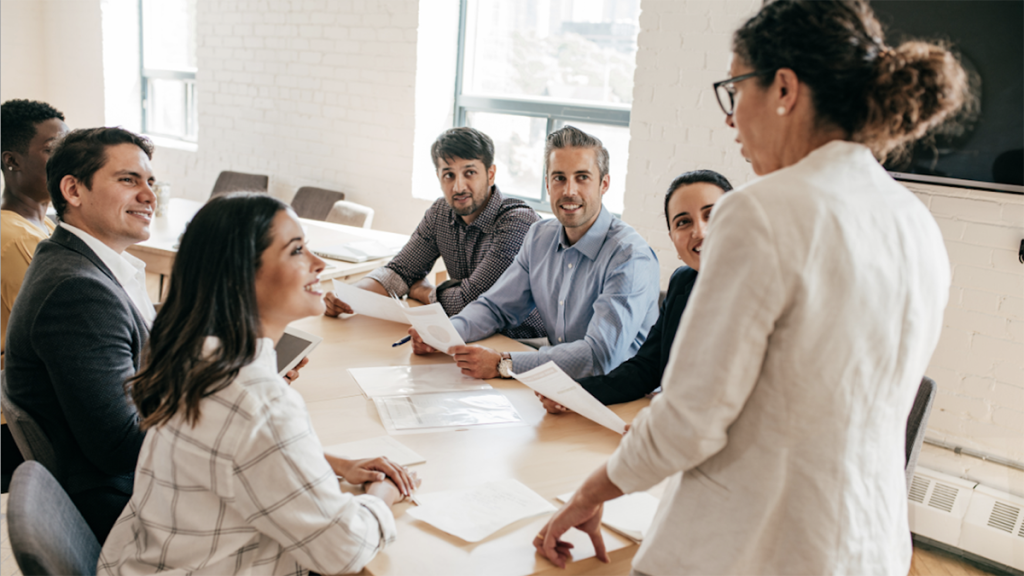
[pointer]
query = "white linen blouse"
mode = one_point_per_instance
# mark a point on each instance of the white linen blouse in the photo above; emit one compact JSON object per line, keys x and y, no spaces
{"x":818,"y":306}
{"x":245,"y":491}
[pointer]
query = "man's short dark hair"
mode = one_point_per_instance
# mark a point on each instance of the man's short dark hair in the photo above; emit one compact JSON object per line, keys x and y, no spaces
{"x":81,"y":153}
{"x":466,"y":143}
{"x":18,"y":119}
{"x":573,"y":137}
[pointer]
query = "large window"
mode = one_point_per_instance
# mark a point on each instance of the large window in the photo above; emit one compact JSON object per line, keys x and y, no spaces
{"x":169,"y":68}
{"x":527,"y":68}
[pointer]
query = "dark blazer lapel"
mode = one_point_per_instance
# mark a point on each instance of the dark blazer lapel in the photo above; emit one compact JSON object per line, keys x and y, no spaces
{"x":69,"y":240}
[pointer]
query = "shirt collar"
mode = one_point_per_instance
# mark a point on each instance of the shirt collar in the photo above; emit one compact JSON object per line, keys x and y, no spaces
{"x":123,"y":265}
{"x":485,"y":221}
{"x":266,"y":354}
{"x":592,"y":241}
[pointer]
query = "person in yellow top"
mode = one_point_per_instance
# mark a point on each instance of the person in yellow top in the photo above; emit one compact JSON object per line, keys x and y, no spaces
{"x":28,"y":130}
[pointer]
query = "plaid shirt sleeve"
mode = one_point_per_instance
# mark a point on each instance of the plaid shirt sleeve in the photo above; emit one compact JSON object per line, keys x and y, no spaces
{"x":285,"y":488}
{"x":416,"y":258}
{"x":504,"y":243}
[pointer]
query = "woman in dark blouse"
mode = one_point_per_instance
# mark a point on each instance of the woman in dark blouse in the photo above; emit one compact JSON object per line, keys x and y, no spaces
{"x":688,"y":204}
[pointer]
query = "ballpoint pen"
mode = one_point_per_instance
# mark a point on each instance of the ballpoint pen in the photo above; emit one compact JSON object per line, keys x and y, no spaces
{"x":402,"y":341}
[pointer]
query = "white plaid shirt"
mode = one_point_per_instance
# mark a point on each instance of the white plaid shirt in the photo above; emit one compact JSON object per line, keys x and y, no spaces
{"x":246,"y":491}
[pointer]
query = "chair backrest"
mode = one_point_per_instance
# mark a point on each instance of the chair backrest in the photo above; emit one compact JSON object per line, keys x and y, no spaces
{"x":351,"y":214}
{"x":28,"y":435}
{"x":315,"y":203}
{"x":228,"y":182}
{"x":47,"y":533}
{"x":917,"y":422}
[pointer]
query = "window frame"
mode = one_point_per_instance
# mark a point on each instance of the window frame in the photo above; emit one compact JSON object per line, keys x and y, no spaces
{"x":558,"y":113}
{"x":147,"y":102}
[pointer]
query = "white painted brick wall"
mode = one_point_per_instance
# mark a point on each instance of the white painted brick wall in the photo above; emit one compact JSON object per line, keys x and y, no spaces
{"x":685,"y":46}
{"x":310,"y":92}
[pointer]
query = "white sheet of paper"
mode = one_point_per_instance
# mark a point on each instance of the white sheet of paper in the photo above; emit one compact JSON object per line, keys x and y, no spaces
{"x":373,"y":447}
{"x":446,"y":409}
{"x":475,"y":513}
{"x":434,"y":326}
{"x":406,"y":380}
{"x":549,"y":380}
{"x":630,"y":515}
{"x":369,"y":304}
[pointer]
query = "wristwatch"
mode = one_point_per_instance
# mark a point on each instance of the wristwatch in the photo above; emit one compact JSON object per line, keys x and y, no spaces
{"x":505,"y":365}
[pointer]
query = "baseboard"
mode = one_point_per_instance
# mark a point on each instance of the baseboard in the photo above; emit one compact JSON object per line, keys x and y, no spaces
{"x":972,"y":559}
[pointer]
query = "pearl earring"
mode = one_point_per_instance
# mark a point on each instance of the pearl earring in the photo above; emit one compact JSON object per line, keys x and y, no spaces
{"x":781,"y":110}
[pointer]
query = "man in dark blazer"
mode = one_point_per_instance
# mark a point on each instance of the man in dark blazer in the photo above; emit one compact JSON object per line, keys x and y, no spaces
{"x":78,"y":327}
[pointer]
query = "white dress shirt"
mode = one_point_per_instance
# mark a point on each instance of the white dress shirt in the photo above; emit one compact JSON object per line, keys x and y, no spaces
{"x":247,"y":490}
{"x":819,"y":303}
{"x":129,"y":271}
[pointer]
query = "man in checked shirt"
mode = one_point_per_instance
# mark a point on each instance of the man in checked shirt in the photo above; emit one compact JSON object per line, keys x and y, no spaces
{"x":475,"y":229}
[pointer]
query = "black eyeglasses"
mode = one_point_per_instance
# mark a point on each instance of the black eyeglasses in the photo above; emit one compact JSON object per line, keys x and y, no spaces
{"x":725,"y":90}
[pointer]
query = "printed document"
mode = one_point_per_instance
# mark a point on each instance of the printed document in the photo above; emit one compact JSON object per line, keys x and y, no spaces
{"x":407,"y":380}
{"x":549,"y":380}
{"x":475,"y":513}
{"x":445,"y":409}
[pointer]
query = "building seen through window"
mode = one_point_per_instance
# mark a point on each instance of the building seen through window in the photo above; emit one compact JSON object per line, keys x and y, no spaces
{"x":529,"y":67}
{"x":169,"y":68}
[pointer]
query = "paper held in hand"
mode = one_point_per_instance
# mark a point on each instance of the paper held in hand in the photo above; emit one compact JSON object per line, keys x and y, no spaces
{"x":369,"y":304}
{"x":430,"y":321}
{"x":549,"y":380}
{"x":475,"y":513}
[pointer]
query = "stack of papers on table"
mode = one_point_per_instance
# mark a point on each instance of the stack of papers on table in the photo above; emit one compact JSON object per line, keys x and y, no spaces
{"x":475,"y":513}
{"x":630,"y":515}
{"x":431,"y":322}
{"x":421,"y":398}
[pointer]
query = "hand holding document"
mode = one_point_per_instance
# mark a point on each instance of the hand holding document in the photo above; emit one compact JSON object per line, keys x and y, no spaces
{"x":475,"y":513}
{"x":630,"y":515}
{"x":551,"y":381}
{"x":370,"y":304}
{"x":434,"y":327}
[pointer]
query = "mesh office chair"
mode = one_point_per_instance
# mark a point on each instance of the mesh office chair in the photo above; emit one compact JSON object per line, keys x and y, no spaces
{"x":228,"y":182}
{"x":28,"y":435}
{"x":315,"y":203}
{"x":47,"y":533}
{"x":917,"y":422}
{"x":351,"y":214}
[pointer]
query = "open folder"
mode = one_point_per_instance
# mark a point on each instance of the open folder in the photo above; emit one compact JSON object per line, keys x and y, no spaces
{"x":430,"y":321}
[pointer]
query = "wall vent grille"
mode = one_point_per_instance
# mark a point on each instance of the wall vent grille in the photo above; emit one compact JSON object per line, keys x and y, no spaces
{"x":1003,"y":517}
{"x":918,"y":489}
{"x":943,"y":497}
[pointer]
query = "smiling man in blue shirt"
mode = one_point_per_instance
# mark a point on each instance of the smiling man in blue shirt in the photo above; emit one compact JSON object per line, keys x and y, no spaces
{"x":593,"y":279}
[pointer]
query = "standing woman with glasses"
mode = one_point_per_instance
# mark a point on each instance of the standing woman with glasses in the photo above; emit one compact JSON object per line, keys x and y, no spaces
{"x":231,"y":478}
{"x":818,"y":307}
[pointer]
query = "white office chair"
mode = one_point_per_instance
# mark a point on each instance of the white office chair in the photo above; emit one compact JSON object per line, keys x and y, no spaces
{"x":350,"y":214}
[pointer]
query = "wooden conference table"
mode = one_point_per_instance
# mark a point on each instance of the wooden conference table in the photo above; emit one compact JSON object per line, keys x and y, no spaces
{"x":164,"y":231}
{"x":550,"y":454}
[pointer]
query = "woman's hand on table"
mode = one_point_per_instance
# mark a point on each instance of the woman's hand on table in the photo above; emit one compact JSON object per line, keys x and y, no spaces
{"x":293,"y":374}
{"x":374,"y":470}
{"x":333,"y":306}
{"x":550,"y":405}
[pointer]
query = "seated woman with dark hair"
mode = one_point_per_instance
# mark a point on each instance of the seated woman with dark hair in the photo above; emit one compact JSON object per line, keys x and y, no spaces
{"x":688,"y":204}
{"x":231,"y":478}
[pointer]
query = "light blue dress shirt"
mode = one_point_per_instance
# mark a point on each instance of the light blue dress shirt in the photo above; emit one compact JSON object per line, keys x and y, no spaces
{"x":597,"y":298}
